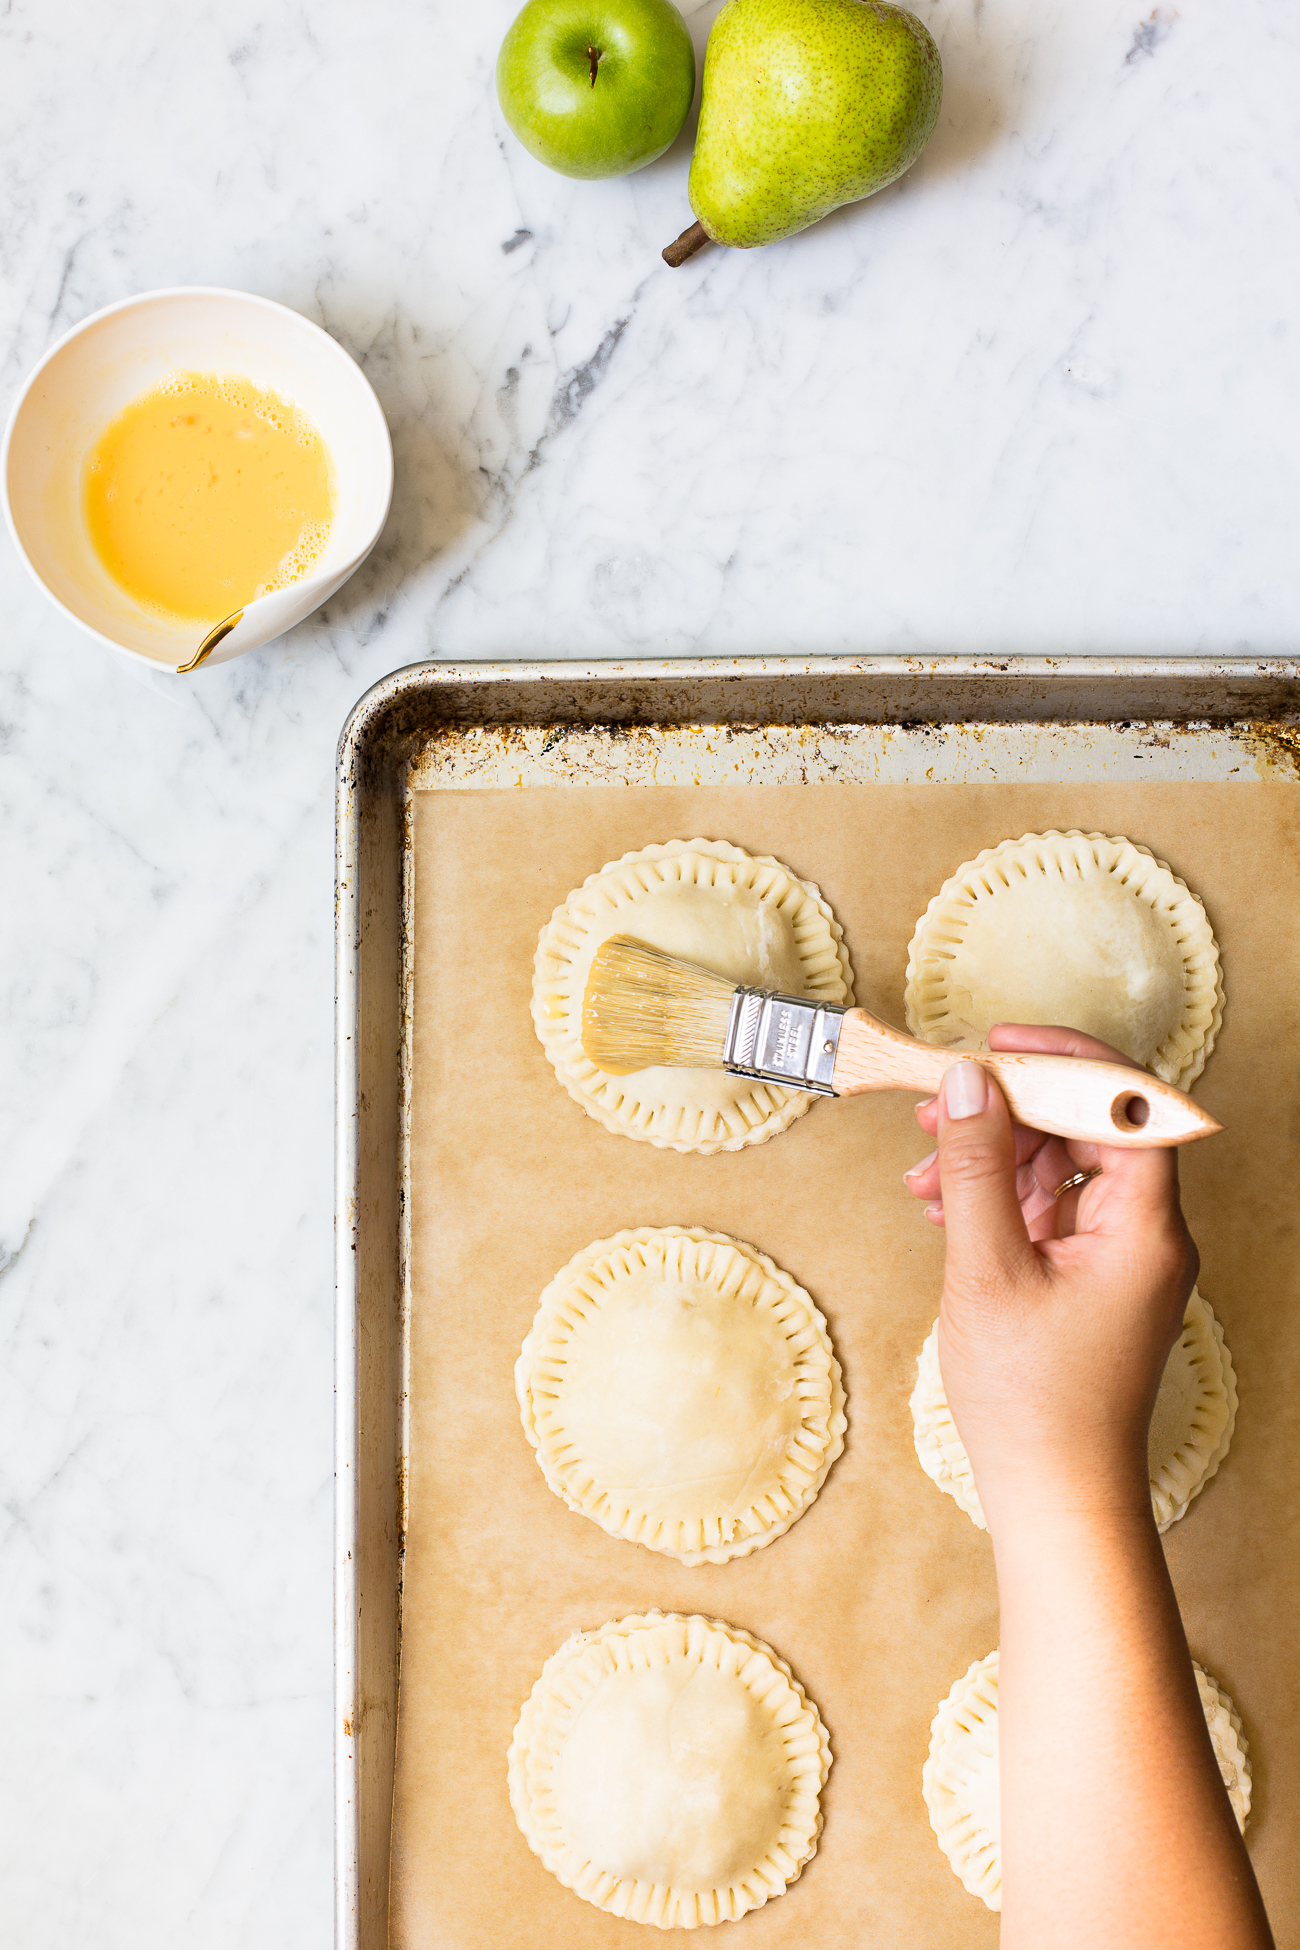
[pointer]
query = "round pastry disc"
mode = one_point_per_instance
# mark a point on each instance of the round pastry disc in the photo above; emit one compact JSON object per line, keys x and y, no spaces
{"x":670,"y":1770}
{"x":707,"y":902}
{"x":1078,"y":929}
{"x":682,"y":1392}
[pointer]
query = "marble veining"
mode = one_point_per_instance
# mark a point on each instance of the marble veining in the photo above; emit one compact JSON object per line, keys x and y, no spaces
{"x":1038,"y":397}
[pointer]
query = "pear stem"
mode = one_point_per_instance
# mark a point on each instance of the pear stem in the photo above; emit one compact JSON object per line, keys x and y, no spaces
{"x":686,"y":245}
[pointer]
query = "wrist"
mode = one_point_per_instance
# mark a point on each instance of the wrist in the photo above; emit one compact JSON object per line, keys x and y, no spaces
{"x":1042,"y":1507}
{"x":1063,"y":1563}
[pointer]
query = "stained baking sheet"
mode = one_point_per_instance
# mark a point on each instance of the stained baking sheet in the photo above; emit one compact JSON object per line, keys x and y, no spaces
{"x":884,"y":1592}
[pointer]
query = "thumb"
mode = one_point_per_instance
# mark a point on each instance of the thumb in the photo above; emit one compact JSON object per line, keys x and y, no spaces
{"x":987,"y":1240}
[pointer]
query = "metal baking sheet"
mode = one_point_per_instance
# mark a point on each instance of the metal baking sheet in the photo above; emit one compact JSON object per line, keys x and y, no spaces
{"x":761,"y":721}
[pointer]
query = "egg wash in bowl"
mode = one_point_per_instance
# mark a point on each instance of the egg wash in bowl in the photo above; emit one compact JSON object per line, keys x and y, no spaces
{"x":206,"y":492}
{"x":161,"y":391}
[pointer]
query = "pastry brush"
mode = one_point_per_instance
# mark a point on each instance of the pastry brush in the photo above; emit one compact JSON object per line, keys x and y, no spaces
{"x":643,"y":1008}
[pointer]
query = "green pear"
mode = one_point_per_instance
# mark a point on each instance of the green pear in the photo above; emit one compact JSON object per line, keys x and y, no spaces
{"x":807,"y":104}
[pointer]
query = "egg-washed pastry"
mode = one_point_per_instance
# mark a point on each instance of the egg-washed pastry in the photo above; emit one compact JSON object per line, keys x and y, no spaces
{"x":681,"y":1391}
{"x":669,"y":1770}
{"x":1071,"y":928}
{"x":707,"y":902}
{"x":1191,"y":1426}
{"x":960,"y":1778}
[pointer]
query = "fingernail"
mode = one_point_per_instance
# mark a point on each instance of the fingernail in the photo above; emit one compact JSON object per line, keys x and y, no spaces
{"x":925,"y":1103}
{"x":934,"y":1213}
{"x":965,"y":1089}
{"x":924,"y":1165}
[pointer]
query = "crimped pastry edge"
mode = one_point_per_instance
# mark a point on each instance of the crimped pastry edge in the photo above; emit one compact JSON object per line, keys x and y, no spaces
{"x":1182,"y":1056}
{"x":975,"y":1856}
{"x":808,"y":1747}
{"x":1182,"y":1479}
{"x":766,"y":1108}
{"x":826,"y":1442}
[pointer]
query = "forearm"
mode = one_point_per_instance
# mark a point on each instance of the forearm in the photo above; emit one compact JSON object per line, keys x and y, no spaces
{"x":1116,"y":1830}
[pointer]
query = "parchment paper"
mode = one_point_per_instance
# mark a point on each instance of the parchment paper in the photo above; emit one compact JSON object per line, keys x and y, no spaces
{"x":884,"y":1592}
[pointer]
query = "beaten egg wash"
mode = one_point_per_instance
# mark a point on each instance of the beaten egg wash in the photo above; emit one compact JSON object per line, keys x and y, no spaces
{"x":205,"y":493}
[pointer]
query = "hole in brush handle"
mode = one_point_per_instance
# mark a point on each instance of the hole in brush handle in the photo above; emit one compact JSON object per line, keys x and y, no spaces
{"x":1130,"y":1111}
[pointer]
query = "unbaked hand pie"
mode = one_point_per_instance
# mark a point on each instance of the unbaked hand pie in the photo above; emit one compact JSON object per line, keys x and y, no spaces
{"x":1071,"y":928}
{"x":681,"y":1391}
{"x":669,"y":1770}
{"x":707,"y":902}
{"x":1191,"y":1426}
{"x":960,"y":1778}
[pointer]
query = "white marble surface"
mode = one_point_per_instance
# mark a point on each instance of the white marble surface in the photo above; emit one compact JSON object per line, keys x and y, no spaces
{"x":1042,"y":396}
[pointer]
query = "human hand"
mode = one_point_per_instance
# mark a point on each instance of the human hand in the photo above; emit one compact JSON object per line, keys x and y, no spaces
{"x":1058,"y":1314}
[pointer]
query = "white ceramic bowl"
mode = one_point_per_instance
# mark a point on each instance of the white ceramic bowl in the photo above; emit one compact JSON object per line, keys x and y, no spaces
{"x":109,"y":360}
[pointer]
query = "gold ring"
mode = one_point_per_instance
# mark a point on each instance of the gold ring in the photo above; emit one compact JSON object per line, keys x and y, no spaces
{"x":1073,"y":1184}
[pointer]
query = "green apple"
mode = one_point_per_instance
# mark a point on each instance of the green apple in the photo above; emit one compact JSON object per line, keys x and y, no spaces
{"x":596,"y":87}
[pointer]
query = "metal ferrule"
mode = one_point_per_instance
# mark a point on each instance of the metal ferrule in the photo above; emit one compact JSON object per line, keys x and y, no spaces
{"x":783,"y":1039}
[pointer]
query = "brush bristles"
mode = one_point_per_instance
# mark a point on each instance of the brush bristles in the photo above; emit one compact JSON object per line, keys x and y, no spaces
{"x":643,"y":1008}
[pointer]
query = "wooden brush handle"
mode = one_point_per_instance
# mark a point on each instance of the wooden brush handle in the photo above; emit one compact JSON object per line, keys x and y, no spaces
{"x":1074,"y":1096}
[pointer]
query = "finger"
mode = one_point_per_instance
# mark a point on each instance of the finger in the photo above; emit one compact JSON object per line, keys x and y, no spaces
{"x":1054,"y":1039}
{"x":1028,"y":1144}
{"x":1038,"y":1201}
{"x":987,"y":1239}
{"x":1049,"y":1212}
{"x":1136,"y":1190}
{"x":1035,"y":1201}
{"x":1044,"y":1225}
{"x":1053,"y":1165}
{"x":1055,"y":1220}
{"x":922,"y":1181}
{"x":1142,"y":1183}
{"x":1038,"y":1206}
{"x":1042,"y":1163}
{"x":1058,"y":1215}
